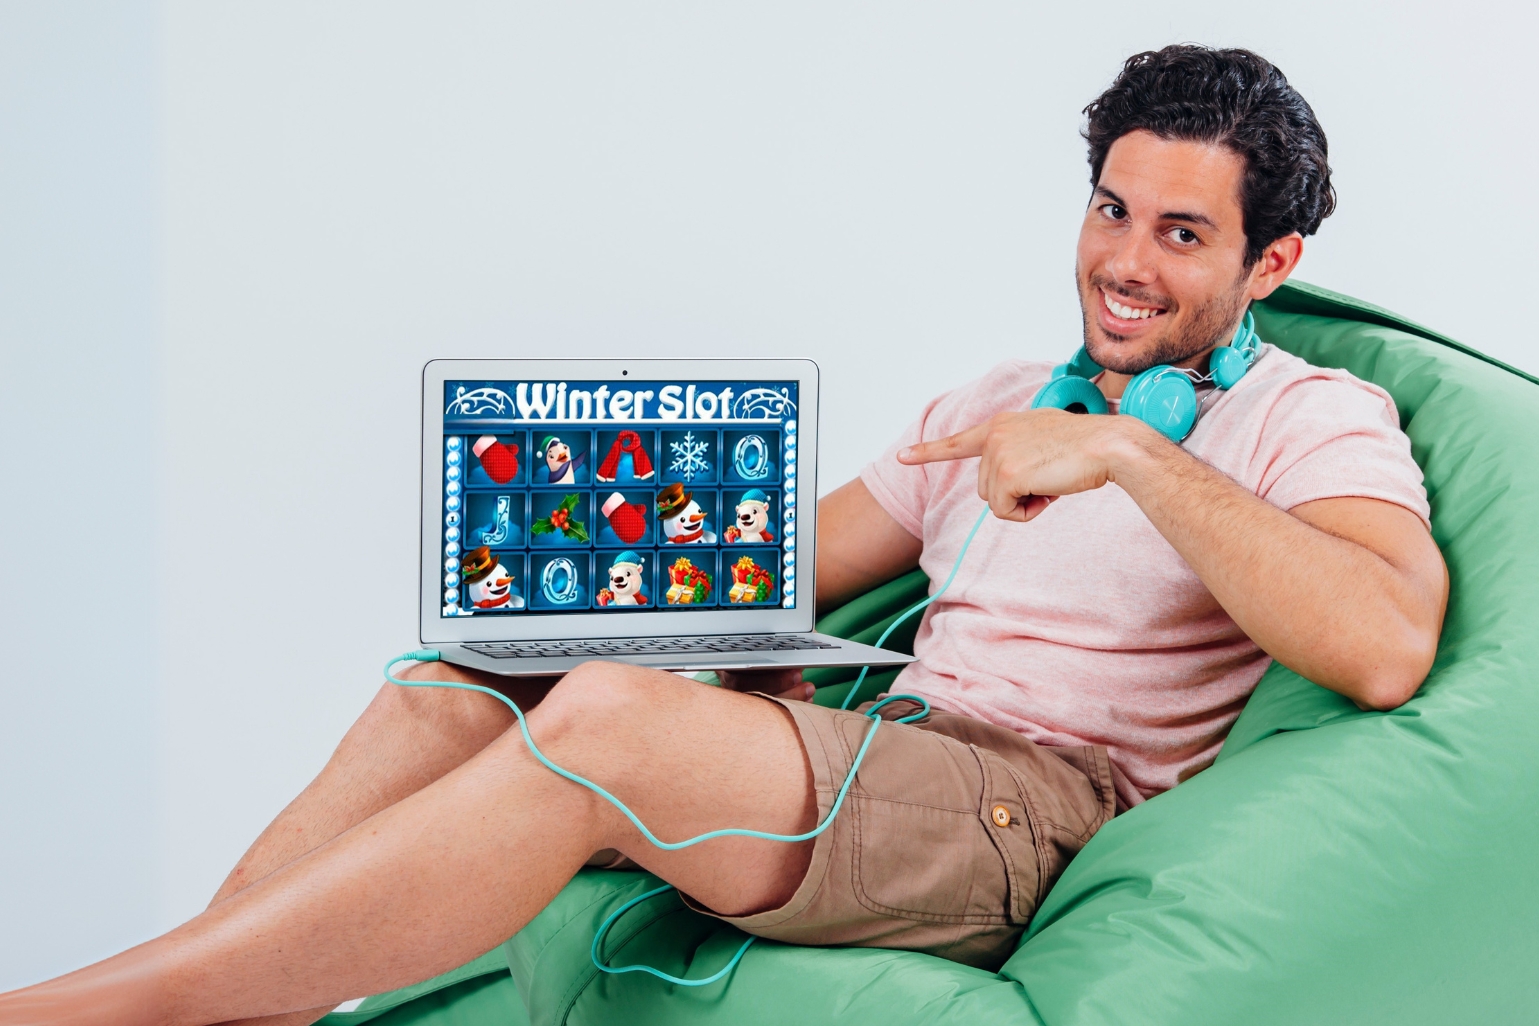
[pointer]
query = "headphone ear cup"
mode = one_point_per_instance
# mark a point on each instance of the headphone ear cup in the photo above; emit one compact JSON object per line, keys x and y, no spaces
{"x":1163,"y":398}
{"x":1227,"y":365}
{"x":1082,"y":365}
{"x":1072,"y":393}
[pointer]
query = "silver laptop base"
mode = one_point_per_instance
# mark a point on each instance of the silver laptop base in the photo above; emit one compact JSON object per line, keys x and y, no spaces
{"x":724,"y":652}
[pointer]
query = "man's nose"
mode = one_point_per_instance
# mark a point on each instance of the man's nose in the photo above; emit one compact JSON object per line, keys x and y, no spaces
{"x":1135,"y":261}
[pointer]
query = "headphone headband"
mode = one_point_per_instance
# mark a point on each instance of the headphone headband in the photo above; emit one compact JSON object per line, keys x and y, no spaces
{"x":1163,"y":397}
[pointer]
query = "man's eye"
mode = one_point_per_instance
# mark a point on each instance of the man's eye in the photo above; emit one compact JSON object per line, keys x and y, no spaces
{"x":1185,"y":236}
{"x":1115,"y":212}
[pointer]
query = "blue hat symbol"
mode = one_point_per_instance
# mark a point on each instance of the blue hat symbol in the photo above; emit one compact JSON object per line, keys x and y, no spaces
{"x":626,"y":557}
{"x":755,"y":495}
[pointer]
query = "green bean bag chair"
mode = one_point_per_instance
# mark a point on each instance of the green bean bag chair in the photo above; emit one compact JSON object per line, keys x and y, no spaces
{"x":1333,"y":866}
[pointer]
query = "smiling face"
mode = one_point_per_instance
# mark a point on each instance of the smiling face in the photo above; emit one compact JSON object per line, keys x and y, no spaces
{"x":556,"y":454}
{"x":625,"y":579}
{"x":493,"y":587}
{"x":752,"y":517}
{"x":1161,"y":259}
{"x":690,"y":517}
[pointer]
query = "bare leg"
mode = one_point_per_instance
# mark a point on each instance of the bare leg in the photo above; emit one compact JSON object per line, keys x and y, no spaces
{"x":462,"y":864}
{"x":406,"y":739}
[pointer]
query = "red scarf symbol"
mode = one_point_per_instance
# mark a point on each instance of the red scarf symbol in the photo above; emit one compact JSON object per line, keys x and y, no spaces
{"x":627,"y":442}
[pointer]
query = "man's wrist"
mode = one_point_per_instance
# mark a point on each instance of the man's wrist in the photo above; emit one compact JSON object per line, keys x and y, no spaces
{"x":1132,"y":450}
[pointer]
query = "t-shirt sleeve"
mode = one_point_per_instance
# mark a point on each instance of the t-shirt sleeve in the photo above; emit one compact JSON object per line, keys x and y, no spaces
{"x":1330,"y":435}
{"x":901,"y":490}
{"x":906,"y":492}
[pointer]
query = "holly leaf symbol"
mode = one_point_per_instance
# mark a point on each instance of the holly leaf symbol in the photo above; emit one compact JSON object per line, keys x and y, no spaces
{"x":542,"y":526}
{"x":575,"y":530}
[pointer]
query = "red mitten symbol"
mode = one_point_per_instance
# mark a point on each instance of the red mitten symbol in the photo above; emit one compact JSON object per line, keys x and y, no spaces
{"x":629,"y":519}
{"x":498,"y":459}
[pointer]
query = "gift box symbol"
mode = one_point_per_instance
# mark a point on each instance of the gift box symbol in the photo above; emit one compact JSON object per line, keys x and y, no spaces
{"x":750,"y":582}
{"x":688,"y":584}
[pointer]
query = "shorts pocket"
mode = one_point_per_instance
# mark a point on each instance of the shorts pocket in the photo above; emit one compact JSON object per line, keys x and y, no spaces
{"x":1010,"y":818}
{"x":921,"y":847}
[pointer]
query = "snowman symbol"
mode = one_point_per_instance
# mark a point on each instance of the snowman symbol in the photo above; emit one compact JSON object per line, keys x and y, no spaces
{"x":490,"y":584}
{"x":683,"y":519}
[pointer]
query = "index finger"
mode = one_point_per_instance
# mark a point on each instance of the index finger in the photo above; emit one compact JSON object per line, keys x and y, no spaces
{"x":953,"y":447}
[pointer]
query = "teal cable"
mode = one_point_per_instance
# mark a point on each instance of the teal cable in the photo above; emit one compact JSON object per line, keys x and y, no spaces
{"x":428,"y":655}
{"x":916,"y":607}
{"x":598,"y":937}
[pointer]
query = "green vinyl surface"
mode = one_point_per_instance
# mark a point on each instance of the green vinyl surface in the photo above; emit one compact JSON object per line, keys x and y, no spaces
{"x":1333,"y":866}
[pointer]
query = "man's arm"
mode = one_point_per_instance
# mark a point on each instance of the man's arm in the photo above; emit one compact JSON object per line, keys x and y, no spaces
{"x":860,"y":546}
{"x":1348,"y":592}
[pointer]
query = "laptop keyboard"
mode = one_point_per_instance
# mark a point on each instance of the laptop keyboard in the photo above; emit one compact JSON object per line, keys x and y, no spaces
{"x":648,"y":646}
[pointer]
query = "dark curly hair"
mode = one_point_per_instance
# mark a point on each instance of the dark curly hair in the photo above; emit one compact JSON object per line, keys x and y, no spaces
{"x":1237,"y":99}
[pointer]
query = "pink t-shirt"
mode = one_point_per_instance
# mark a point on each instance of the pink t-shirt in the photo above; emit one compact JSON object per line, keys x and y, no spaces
{"x":1085,"y":626}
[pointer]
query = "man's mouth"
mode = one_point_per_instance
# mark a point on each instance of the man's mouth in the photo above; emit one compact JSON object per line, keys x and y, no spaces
{"x":1127,"y":311}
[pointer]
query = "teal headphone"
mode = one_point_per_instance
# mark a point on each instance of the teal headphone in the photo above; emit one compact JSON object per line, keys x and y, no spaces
{"x":1163,"y":397}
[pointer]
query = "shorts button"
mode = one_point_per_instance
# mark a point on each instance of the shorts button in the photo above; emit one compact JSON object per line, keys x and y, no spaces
{"x":1001,"y":816}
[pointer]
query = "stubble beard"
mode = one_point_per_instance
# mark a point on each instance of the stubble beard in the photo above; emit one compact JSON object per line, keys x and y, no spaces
{"x":1209,"y":325}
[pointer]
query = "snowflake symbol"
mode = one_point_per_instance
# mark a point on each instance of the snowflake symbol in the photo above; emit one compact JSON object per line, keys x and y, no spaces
{"x":689,"y":457}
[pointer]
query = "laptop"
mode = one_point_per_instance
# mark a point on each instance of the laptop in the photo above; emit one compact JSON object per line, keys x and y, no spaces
{"x":655,"y":512}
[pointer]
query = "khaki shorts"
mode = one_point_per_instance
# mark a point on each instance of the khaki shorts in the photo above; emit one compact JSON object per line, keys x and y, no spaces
{"x":948,"y":840}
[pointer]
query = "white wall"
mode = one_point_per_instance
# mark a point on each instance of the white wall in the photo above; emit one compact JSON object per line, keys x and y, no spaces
{"x":79,"y":832}
{"x":346,"y":190}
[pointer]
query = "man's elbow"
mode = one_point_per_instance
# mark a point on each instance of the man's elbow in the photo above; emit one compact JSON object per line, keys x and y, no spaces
{"x":1386,"y":694}
{"x":1394,"y":681}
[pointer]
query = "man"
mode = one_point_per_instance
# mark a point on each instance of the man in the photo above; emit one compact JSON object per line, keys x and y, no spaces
{"x":1102,"y":635}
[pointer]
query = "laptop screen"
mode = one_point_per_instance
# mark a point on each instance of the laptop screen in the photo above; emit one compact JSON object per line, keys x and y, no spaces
{"x":633,"y":497}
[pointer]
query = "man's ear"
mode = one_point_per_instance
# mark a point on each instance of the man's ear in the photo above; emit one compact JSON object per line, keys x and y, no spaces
{"x":1277,"y":262}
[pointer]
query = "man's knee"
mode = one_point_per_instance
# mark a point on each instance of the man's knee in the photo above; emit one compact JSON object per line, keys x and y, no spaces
{"x":598,"y":699}
{"x":469,"y":714}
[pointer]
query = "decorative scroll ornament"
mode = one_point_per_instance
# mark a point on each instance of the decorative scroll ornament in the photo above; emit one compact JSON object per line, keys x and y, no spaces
{"x":763,"y":404}
{"x":479,"y":402}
